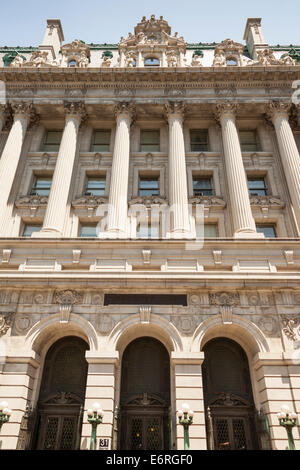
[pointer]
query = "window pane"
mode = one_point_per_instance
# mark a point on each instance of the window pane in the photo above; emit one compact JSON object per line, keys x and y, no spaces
{"x":144,"y":230}
{"x":210,"y":230}
{"x":202,"y":187}
{"x":29,"y":229}
{"x":199,"y":140}
{"x":101,"y":141}
{"x":52,"y":141}
{"x":88,"y":231}
{"x":268,"y":230}
{"x":149,"y":187}
{"x":257,"y":186}
{"x":249,"y":141}
{"x":151,"y":61}
{"x":41,"y":186}
{"x":95,"y":187}
{"x":150,"y":141}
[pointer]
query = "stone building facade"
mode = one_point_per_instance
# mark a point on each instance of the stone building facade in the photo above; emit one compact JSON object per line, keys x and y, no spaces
{"x":96,"y":304}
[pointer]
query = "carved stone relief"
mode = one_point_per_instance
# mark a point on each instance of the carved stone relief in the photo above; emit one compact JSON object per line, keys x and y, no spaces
{"x":5,"y":322}
{"x":105,"y":323}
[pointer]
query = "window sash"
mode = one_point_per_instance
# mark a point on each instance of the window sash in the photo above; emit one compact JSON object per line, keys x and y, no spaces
{"x":150,"y":141}
{"x":248,"y":140}
{"x":210,"y":230}
{"x":199,"y":140}
{"x":95,"y":187}
{"x":52,"y":141}
{"x":88,"y":231}
{"x":146,"y":230}
{"x":202,"y":186}
{"x":29,"y":229}
{"x":151,"y":62}
{"x":101,"y":141}
{"x":149,"y":187}
{"x":257,"y":187}
{"x":41,"y":187}
{"x":268,"y":230}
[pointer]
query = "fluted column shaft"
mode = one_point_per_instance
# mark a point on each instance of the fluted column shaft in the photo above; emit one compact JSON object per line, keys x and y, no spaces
{"x":56,"y":208}
{"x":178,"y":195}
{"x":289,"y":156}
{"x":11,"y":155}
{"x":117,"y":215}
{"x":243,"y":221}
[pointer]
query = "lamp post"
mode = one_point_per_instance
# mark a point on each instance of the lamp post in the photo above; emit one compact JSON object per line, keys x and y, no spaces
{"x":95,"y":417}
{"x":4,"y":413}
{"x":287,"y":419}
{"x":185,"y":417}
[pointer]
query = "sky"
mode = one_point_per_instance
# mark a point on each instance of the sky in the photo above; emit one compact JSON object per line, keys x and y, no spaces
{"x":23,"y":23}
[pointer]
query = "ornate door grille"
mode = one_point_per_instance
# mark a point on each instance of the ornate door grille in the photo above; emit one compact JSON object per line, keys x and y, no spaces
{"x":231,"y":434}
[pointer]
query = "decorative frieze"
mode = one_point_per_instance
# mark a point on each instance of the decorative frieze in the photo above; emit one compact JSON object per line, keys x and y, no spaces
{"x":224,"y":298}
{"x":291,"y":327}
{"x":68,"y":296}
{"x":5,"y":322}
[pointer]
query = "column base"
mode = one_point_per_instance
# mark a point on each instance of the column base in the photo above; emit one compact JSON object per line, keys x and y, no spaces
{"x":47,"y":234}
{"x":246,"y":234}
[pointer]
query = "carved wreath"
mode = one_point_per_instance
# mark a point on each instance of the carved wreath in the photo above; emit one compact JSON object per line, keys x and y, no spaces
{"x":68,"y":297}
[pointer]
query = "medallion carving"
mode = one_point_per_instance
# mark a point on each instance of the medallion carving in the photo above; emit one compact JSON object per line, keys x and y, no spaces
{"x":68,"y":297}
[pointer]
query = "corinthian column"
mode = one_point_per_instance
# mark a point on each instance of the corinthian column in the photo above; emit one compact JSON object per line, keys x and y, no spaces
{"x":56,"y":208}
{"x":117,"y":225}
{"x":279,"y":114}
{"x":178,"y":195}
{"x":243,"y":222}
{"x":23,"y":114}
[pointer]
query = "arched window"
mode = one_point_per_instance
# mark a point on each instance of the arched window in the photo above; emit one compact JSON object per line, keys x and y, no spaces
{"x":72,"y":63}
{"x":151,"y":62}
{"x":231,"y":61}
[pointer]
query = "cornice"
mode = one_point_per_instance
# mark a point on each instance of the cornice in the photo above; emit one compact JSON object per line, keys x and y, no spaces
{"x":185,"y":77}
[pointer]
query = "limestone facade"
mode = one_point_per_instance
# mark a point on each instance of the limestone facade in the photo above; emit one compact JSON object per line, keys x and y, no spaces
{"x":241,"y":283}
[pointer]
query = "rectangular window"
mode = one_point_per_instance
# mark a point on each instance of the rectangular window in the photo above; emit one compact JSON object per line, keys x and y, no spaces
{"x":101,"y":141}
{"x":29,"y":229}
{"x":88,"y":230}
{"x":150,"y":140}
{"x":202,"y":186}
{"x":52,"y":141}
{"x":147,"y":230}
{"x":95,"y":186}
{"x":257,"y":186}
{"x":149,"y":186}
{"x":199,"y":140}
{"x":249,"y":141}
{"x":210,"y":231}
{"x":269,"y":231}
{"x":41,"y":186}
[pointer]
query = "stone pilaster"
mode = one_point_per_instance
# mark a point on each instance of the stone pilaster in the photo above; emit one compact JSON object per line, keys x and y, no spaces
{"x":57,"y":203}
{"x":178,"y":195}
{"x":23,"y":115}
{"x":243,"y":221}
{"x":117,"y":225}
{"x":278,"y":112}
{"x":189,"y":389}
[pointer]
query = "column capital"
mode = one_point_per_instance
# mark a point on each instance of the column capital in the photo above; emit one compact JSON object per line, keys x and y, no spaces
{"x":125,"y":109}
{"x":175,"y":108}
{"x":224,"y":108}
{"x":26,"y":110}
{"x":5,"y":116}
{"x":278,"y":108}
{"x":75,"y":109}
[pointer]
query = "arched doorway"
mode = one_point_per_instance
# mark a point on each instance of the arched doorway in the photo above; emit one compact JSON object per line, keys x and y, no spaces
{"x":228,"y":398}
{"x":145,"y":396}
{"x":62,"y":393}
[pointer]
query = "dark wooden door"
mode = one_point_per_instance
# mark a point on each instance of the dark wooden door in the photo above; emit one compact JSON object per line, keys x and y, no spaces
{"x":145,"y":432}
{"x":58,"y":432}
{"x":232,"y":433}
